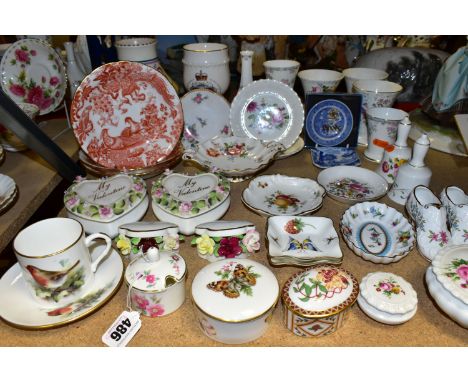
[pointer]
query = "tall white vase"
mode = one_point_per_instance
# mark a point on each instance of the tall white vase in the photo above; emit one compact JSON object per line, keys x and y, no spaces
{"x":74,"y":73}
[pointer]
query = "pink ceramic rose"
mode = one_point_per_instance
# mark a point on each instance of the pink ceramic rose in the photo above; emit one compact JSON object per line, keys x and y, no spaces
{"x":251,"y":240}
{"x":158,"y":193}
{"x":138,"y":187}
{"x":72,"y":202}
{"x":185,"y":207}
{"x":105,"y":212}
{"x":462,"y":272}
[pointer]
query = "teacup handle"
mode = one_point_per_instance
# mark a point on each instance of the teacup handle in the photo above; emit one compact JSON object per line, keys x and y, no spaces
{"x":93,"y":237}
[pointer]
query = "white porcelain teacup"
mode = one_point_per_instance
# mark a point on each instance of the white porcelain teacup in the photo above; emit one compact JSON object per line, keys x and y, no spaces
{"x":355,"y":74}
{"x":382,"y":127}
{"x":284,"y":71}
{"x":55,"y":260}
{"x":320,"y":80}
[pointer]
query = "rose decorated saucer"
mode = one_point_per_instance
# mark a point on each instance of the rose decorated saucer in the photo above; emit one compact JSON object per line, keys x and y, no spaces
{"x":32,"y":71}
{"x":18,"y":308}
{"x":8,"y":192}
{"x":377,"y":232}
{"x":126,"y":115}
{"x":267,"y":110}
{"x":271,"y":195}
{"x":206,"y":115}
{"x":349,"y":184}
{"x":234,"y":157}
{"x":292,"y":150}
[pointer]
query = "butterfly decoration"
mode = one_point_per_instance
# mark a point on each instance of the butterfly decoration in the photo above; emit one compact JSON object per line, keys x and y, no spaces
{"x":242,"y":280}
{"x":296,"y":245}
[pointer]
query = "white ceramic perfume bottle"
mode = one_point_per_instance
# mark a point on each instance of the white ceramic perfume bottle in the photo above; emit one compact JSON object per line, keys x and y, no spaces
{"x":74,"y":73}
{"x":246,"y":71}
{"x":412,"y":174}
{"x":396,"y":155}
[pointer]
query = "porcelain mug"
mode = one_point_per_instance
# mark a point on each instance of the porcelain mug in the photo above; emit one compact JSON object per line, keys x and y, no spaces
{"x":320,"y":80}
{"x":382,"y":127}
{"x":375,"y":93}
{"x":284,"y":71}
{"x":206,"y":66}
{"x":55,"y":260}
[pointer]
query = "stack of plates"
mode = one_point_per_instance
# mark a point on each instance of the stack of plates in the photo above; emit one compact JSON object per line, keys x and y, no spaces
{"x":8,"y":192}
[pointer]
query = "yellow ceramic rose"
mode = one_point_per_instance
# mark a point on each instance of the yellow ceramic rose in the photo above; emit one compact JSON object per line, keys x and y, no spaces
{"x":171,"y":242}
{"x":205,"y":245}
{"x":124,"y":244}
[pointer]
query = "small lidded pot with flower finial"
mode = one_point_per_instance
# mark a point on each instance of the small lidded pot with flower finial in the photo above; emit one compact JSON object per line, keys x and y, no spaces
{"x":317,"y":300}
{"x":224,"y":239}
{"x":136,"y":238}
{"x":157,"y":282}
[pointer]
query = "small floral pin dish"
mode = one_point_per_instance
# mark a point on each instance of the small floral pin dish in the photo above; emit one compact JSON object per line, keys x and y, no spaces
{"x":377,"y":232}
{"x":236,"y":158}
{"x":302,"y":241}
{"x":224,"y":239}
{"x":349,"y":184}
{"x":136,"y":238}
{"x":190,"y":200}
{"x":271,"y":195}
{"x":103,"y":205}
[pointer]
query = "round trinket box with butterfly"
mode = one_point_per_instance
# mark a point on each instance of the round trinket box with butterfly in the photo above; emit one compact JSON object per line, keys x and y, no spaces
{"x":234,"y":300}
{"x":316,"y":301}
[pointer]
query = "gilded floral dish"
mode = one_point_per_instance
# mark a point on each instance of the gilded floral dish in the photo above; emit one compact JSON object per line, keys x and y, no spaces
{"x":234,"y":157}
{"x":271,"y":195}
{"x":292,"y":150}
{"x":225,"y":239}
{"x":33,"y":72}
{"x":302,"y":241}
{"x":349,"y":184}
{"x":267,"y":110}
{"x":377,"y":232}
{"x":18,"y":309}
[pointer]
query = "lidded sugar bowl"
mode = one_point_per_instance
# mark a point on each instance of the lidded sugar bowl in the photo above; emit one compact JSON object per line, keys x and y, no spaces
{"x":157,"y":282}
{"x":316,"y":300}
{"x":234,"y":300}
{"x":387,"y":298}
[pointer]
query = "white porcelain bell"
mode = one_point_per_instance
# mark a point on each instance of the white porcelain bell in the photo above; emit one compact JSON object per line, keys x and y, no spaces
{"x":396,"y":155}
{"x":412,"y":174}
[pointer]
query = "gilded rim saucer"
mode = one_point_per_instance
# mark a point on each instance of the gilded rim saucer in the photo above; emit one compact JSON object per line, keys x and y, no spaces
{"x":18,"y":308}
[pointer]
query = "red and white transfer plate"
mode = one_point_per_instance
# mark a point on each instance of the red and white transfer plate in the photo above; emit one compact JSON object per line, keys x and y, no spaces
{"x":126,"y":115}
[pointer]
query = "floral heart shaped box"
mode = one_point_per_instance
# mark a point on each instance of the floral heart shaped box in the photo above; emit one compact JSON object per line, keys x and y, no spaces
{"x":190,"y":200}
{"x":102,"y":205}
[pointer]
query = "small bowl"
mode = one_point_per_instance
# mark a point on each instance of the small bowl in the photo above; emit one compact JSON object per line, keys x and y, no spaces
{"x":320,"y":80}
{"x":377,"y":232}
{"x":271,"y":195}
{"x":284,"y":71}
{"x":350,"y":184}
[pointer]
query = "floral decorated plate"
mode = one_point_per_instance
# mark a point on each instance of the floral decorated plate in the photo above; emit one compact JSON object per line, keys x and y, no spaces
{"x":33,"y":72}
{"x":126,"y":115}
{"x":450,"y":266}
{"x":292,"y":150}
{"x":234,"y":157}
{"x":377,"y":232}
{"x":309,"y":240}
{"x":206,"y":115}
{"x":18,"y":308}
{"x":271,"y":195}
{"x":102,"y":205}
{"x":267,"y":110}
{"x":349,"y":184}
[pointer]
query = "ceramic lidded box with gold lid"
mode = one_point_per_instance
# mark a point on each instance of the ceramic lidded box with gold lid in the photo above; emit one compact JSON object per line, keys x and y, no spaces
{"x":316,"y":301}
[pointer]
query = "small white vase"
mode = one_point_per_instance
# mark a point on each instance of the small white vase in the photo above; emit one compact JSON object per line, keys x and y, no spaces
{"x":74,"y":73}
{"x":246,"y":69}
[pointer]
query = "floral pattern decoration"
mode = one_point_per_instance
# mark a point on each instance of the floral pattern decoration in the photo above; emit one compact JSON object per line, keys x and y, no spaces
{"x":189,"y":208}
{"x":326,"y":284}
{"x":230,"y":151}
{"x":149,"y":278}
{"x":138,"y":246}
{"x":80,"y":207}
{"x":349,"y":188}
{"x":263,"y":115}
{"x":283,"y":201}
{"x":375,"y":212}
{"x":417,"y":216}
{"x":391,"y":166}
{"x":235,"y":279}
{"x":439,"y":237}
{"x":403,"y":237}
{"x":228,"y":247}
{"x":295,"y":226}
{"x":458,"y":272}
{"x":199,"y":98}
{"x":389,"y":287}
{"x":148,"y":305}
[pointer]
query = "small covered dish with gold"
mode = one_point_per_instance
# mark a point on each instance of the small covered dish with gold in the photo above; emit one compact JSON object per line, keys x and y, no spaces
{"x":157,"y":282}
{"x":317,"y":300}
{"x":234,"y":300}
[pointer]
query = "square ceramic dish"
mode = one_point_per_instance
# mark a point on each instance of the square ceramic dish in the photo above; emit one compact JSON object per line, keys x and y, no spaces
{"x":302,"y":241}
{"x":103,"y":205}
{"x":377,"y":232}
{"x":190,"y":200}
{"x":271,"y":195}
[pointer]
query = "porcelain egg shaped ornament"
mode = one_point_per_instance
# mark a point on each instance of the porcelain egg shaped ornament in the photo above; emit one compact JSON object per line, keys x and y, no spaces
{"x":103,"y":205}
{"x":190,"y":200}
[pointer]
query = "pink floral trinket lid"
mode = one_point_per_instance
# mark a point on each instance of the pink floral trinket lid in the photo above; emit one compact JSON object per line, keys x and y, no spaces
{"x":450,"y":267}
{"x":389,"y":293}
{"x":155,"y":271}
